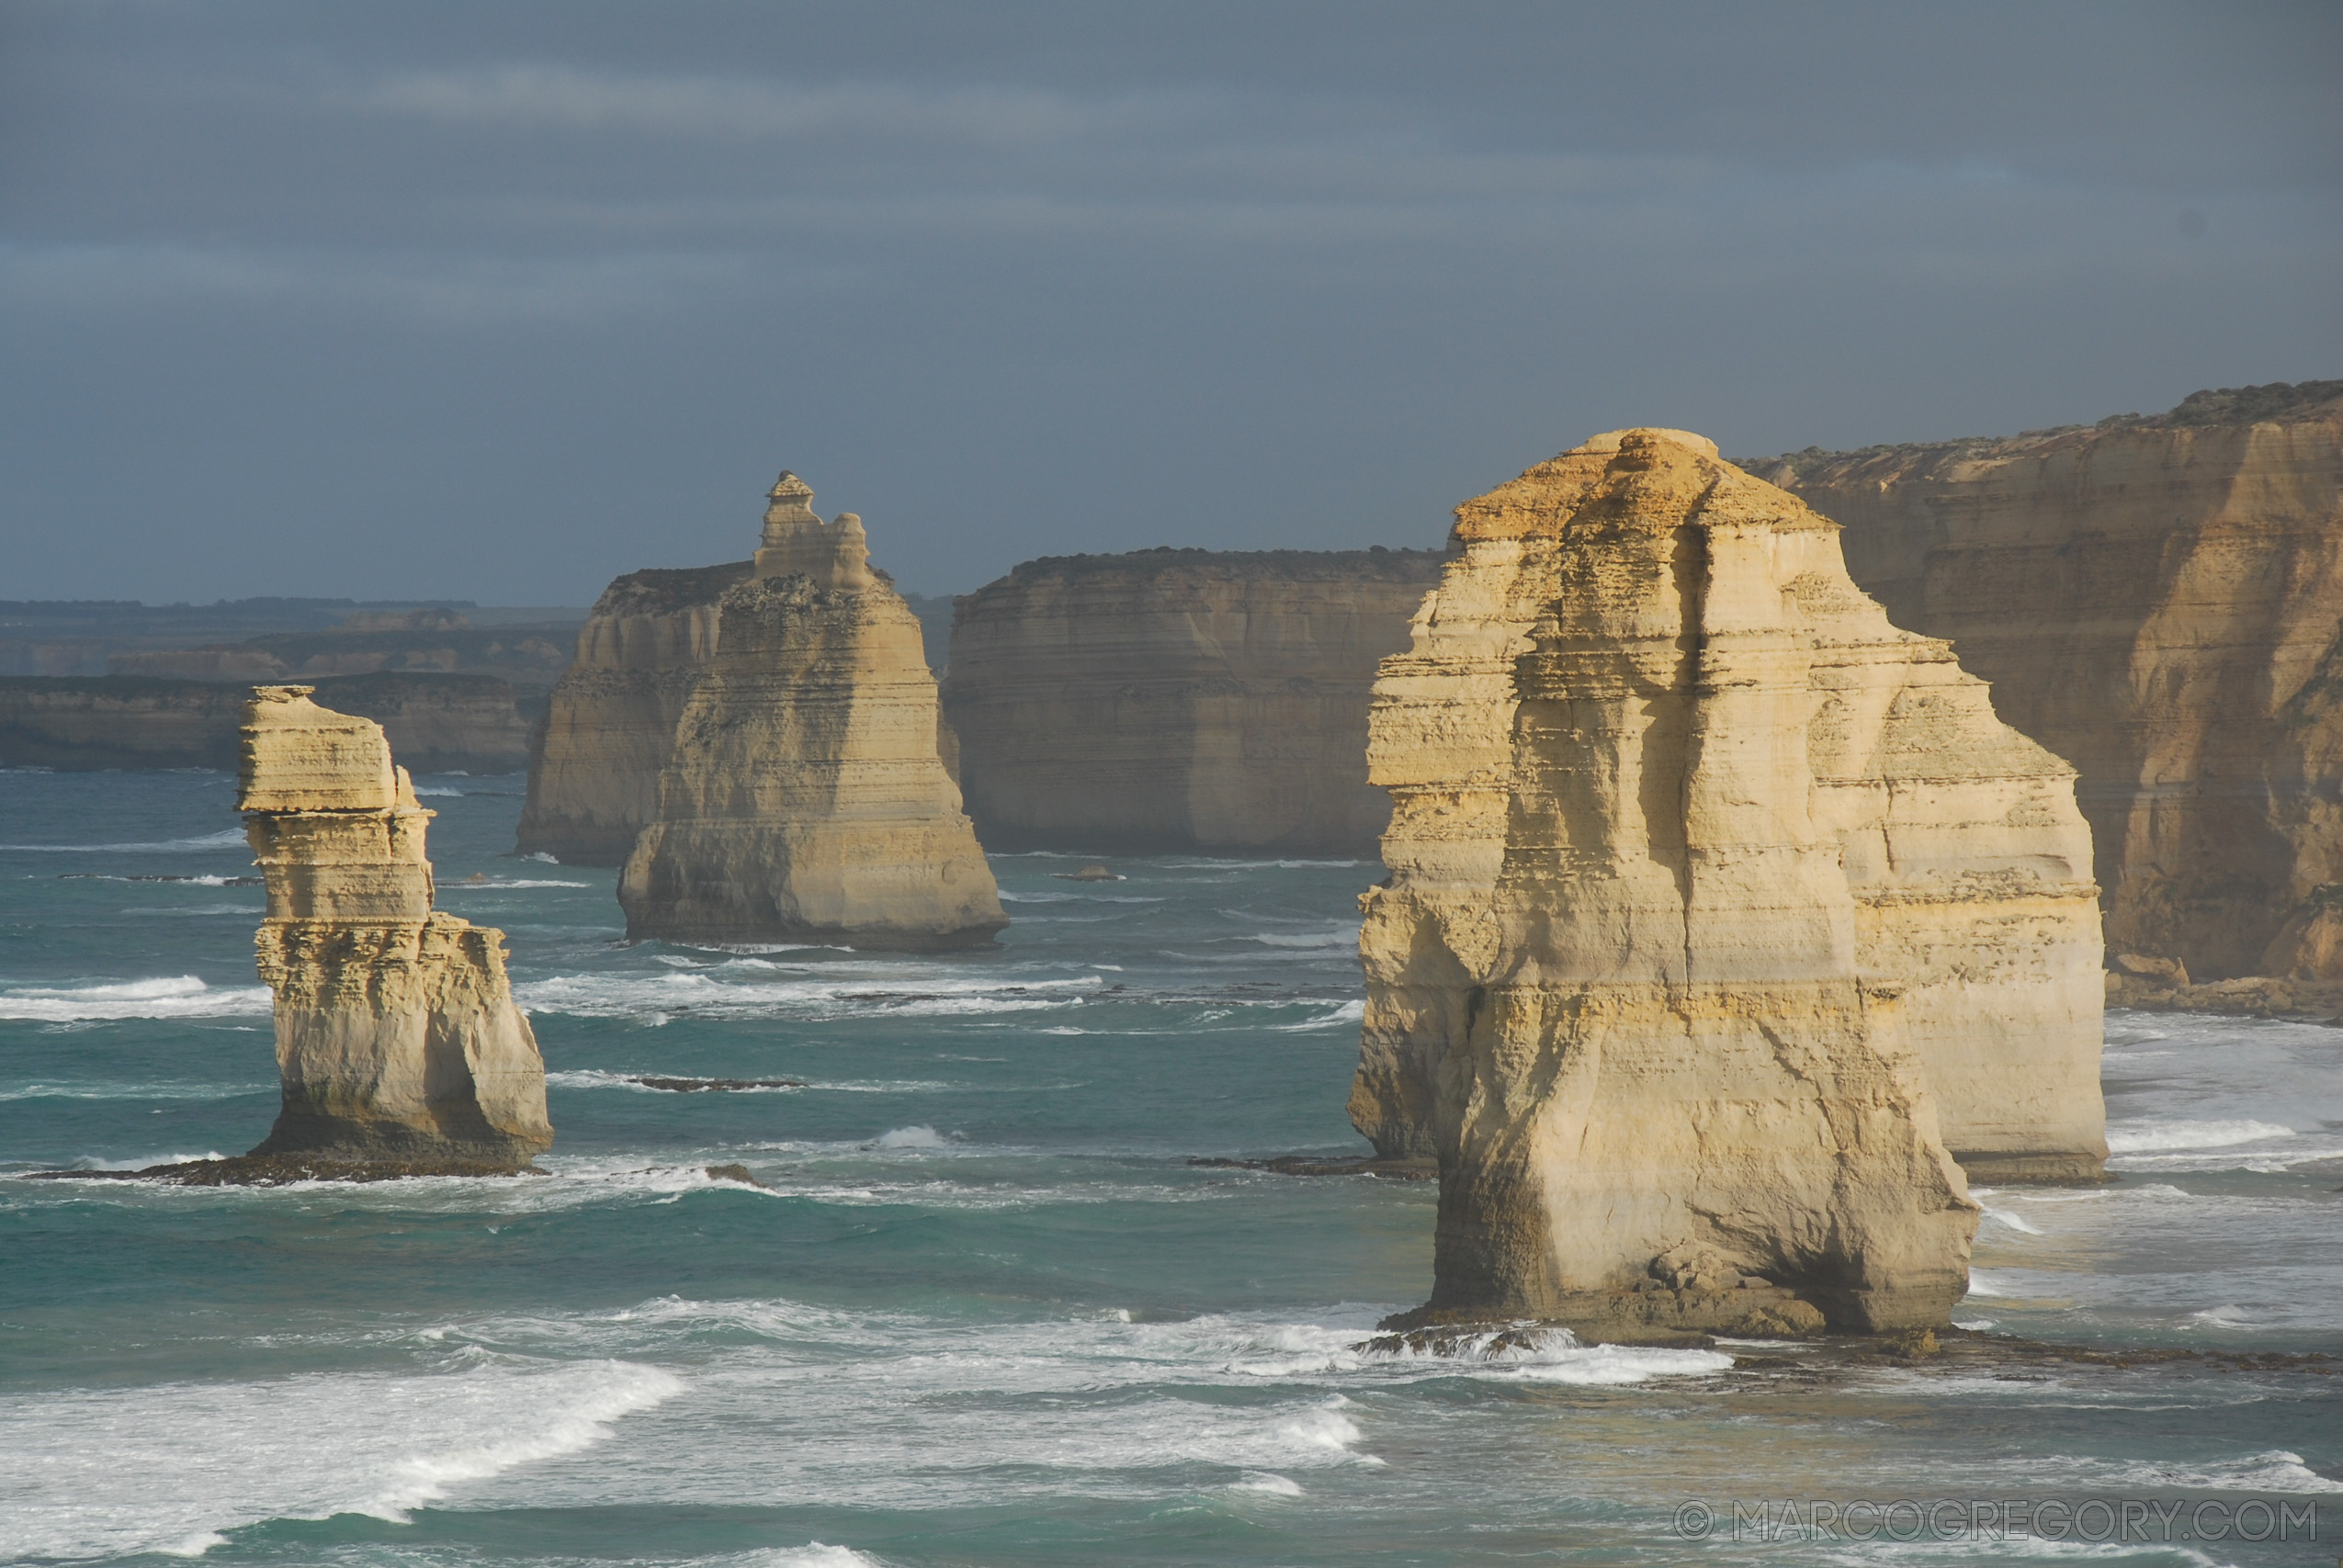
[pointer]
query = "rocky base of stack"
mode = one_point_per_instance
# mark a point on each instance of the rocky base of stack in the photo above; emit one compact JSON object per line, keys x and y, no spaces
{"x":1654,"y":1316}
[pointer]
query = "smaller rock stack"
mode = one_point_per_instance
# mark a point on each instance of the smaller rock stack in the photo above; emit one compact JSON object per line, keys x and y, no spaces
{"x":398,"y":1042}
{"x":805,"y":800}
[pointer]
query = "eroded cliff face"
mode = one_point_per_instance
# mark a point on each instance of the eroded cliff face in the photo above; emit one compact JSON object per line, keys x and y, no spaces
{"x":1178,"y":699}
{"x":2155,"y":600}
{"x":1720,"y":913}
{"x":804,"y":799}
{"x":397,"y":1040}
{"x":595,"y":762}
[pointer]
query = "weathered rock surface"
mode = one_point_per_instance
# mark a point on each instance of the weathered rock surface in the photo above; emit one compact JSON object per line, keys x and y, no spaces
{"x":397,"y":1040}
{"x":1718,"y":908}
{"x":439,"y":723}
{"x":805,"y":799}
{"x":2158,"y":600}
{"x":1178,"y":699}
{"x":610,"y":730}
{"x":595,"y":762}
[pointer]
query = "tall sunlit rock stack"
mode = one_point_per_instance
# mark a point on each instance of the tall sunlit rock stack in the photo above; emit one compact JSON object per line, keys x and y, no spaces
{"x":398,"y":1042}
{"x":1722,"y":917}
{"x":804,"y":800}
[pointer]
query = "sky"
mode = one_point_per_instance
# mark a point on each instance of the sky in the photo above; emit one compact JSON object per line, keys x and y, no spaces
{"x":499,"y":301}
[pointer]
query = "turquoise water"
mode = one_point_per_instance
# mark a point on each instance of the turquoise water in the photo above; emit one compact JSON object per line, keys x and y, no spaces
{"x":985,"y":1312}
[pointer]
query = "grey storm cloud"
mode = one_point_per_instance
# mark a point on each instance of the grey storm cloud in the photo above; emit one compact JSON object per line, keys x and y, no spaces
{"x":498,"y":302}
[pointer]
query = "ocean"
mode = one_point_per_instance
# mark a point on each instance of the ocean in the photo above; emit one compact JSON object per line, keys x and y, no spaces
{"x":983,"y":1310}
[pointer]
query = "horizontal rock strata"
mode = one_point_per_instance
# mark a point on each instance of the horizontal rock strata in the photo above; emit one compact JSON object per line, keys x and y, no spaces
{"x":397,"y":1040}
{"x":2158,"y":600}
{"x":804,"y":799}
{"x":1178,"y":699}
{"x":1718,"y":908}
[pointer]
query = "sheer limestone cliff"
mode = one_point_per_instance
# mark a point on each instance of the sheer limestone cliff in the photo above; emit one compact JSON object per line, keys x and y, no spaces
{"x":1721,"y":913}
{"x":2156,"y":600}
{"x":1179,"y":699}
{"x":596,"y":760}
{"x":804,"y":798}
{"x":398,"y":1042}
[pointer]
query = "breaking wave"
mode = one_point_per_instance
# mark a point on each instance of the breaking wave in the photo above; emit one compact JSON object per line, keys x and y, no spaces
{"x":182,"y":997}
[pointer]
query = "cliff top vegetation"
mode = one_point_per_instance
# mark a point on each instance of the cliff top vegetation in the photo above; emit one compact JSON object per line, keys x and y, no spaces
{"x":2275,"y":401}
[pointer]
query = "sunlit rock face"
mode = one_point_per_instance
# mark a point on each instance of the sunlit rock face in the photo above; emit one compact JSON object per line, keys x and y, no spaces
{"x":1721,"y":915}
{"x":398,"y":1042}
{"x":804,"y":799}
{"x":2155,"y":599}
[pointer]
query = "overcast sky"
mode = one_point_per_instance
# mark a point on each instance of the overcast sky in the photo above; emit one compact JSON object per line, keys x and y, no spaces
{"x":495,"y":301}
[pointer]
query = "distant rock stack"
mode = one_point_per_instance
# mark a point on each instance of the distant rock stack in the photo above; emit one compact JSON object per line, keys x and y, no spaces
{"x":609,"y":731}
{"x":1718,"y":908}
{"x":398,"y":1042}
{"x":804,"y":800}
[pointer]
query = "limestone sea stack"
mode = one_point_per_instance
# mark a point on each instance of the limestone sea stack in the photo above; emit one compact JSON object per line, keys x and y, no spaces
{"x":610,"y":730}
{"x":2155,"y":598}
{"x":804,"y":799}
{"x":1720,"y":913}
{"x":1174,"y":700}
{"x":398,"y":1042}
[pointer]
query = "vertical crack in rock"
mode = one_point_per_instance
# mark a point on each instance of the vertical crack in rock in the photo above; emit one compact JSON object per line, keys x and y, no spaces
{"x":804,"y":799}
{"x":1692,"y":1050}
{"x":397,"y":1040}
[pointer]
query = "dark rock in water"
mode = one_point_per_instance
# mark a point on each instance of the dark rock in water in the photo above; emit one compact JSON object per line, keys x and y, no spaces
{"x":1953,"y":1351}
{"x":698,"y":1085}
{"x":279,"y":1171}
{"x":738,"y":1173}
{"x":1337,"y":1164}
{"x":1087,"y":873}
{"x":1648,"y":1312}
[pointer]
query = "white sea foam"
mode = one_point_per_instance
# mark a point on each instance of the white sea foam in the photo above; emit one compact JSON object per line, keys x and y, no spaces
{"x":2158,"y":1135}
{"x":227,"y":838}
{"x":514,"y":882}
{"x":595,"y":1078}
{"x":912,"y":1138}
{"x":1348,"y":1012}
{"x":183,"y":996}
{"x":134,"y":1090}
{"x":812,"y":1554}
{"x":166,"y":1467}
{"x":1273,"y":1485}
{"x":2006,"y":1217}
{"x":797,"y":994}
